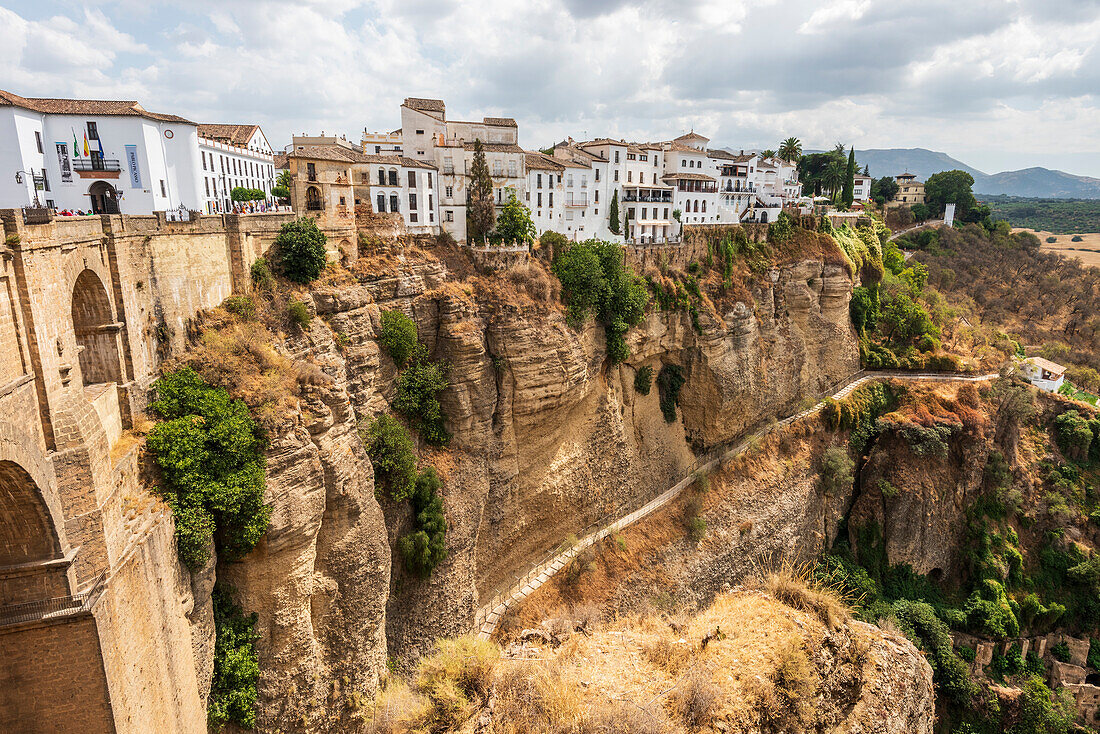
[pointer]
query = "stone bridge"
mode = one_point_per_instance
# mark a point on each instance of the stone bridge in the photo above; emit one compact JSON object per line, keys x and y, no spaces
{"x":93,"y":603}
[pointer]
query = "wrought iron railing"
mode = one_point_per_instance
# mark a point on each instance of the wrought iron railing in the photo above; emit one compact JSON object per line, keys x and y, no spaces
{"x":96,"y":164}
{"x":60,"y":606}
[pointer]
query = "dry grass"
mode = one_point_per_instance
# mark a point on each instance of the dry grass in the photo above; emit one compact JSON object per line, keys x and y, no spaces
{"x":794,"y":586}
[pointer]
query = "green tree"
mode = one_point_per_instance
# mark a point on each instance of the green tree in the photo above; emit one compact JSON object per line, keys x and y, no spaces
{"x":480,"y":212}
{"x":613,"y":215}
{"x":211,"y":454}
{"x":236,"y":665}
{"x":769,"y":153}
{"x":552,"y":244}
{"x":885,"y":188}
{"x":425,"y":547}
{"x":847,"y":195}
{"x":301,"y":250}
{"x":837,"y":470}
{"x":398,"y":337}
{"x":284,"y":179}
{"x":280,"y":192}
{"x":790,"y":150}
{"x":833,"y":178}
{"x":514,"y":223}
{"x":950,"y":187}
{"x":391,"y":453}
{"x":921,"y":212}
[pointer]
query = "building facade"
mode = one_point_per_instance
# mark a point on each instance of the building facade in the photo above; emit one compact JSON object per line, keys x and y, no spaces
{"x":234,"y":156}
{"x":910,"y":190}
{"x":97,"y":156}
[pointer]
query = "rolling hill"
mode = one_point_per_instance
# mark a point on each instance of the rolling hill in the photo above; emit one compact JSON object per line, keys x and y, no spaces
{"x":1036,"y":182}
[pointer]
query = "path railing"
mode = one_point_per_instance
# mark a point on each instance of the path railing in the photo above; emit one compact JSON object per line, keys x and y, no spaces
{"x":518,"y":587}
{"x":60,"y":606}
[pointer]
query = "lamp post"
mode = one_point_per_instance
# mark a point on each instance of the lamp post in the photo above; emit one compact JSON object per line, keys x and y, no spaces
{"x":19,"y":180}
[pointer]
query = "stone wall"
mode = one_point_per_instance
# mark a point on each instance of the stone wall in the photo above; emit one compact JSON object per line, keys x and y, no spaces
{"x":52,"y":679}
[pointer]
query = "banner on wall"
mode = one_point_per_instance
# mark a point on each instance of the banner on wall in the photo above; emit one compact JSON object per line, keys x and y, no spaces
{"x":132,"y":164}
{"x":63,"y":163}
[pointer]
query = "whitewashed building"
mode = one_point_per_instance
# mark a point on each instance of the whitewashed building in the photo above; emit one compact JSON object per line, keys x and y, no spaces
{"x":1044,"y":374}
{"x":96,"y":155}
{"x":234,"y":156}
{"x":861,"y":190}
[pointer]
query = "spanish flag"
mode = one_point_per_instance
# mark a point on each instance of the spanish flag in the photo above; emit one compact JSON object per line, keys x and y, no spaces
{"x":86,"y":145}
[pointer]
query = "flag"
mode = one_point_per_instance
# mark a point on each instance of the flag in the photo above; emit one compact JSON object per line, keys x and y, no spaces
{"x":100,"y":141}
{"x":86,"y":152}
{"x":76,"y":145}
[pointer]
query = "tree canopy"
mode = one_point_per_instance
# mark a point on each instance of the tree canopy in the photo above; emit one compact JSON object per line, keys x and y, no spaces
{"x":790,"y":150}
{"x":514,"y":224}
{"x":301,"y":249}
{"x":950,"y":187}
{"x":480,"y":213}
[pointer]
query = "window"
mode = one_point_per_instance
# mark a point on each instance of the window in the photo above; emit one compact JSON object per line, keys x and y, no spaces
{"x":393,"y":177}
{"x":202,"y":155}
{"x":630,"y":156}
{"x":449,"y":191}
{"x":630,"y":213}
{"x":412,"y":216}
{"x":629,"y":176}
{"x":645,"y":213}
{"x":429,"y":175}
{"x":50,"y":204}
{"x":641,"y":177}
{"x":38,"y":140}
{"x":540,"y":200}
{"x":207,"y":182}
{"x":666,"y":212}
{"x":431,"y":206}
{"x":412,"y":202}
{"x":311,"y":171}
{"x":419,"y":132}
{"x":449,"y":216}
{"x":381,"y":176}
{"x":394,"y":206}
{"x":616,"y":176}
{"x":93,"y":131}
{"x":342,"y":201}
{"x":569,"y":181}
{"x":45,"y":181}
{"x":704,"y":207}
{"x":163,"y":188}
{"x":377,"y":149}
{"x":584,"y":182}
{"x":412,"y":179}
{"x":616,"y":156}
{"x":512,"y":170}
{"x":597,"y":174}
{"x":551,"y":199}
{"x":597,"y":196}
{"x":538,"y":181}
{"x":382,"y":203}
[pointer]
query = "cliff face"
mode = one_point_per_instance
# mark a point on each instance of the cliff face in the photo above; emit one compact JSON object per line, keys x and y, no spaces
{"x":547,"y":439}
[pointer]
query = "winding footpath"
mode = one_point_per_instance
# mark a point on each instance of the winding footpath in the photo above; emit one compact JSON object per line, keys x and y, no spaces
{"x":489,"y":616}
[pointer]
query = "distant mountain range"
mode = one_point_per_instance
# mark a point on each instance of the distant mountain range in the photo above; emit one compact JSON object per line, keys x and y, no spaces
{"x":1042,"y":183}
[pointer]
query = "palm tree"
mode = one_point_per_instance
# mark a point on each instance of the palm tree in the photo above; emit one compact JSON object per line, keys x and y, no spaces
{"x":284,"y":179}
{"x":833,"y":177}
{"x":790,"y":150}
{"x":769,"y":153}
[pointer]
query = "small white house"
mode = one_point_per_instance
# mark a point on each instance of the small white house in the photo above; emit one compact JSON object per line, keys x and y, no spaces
{"x":1044,"y":374}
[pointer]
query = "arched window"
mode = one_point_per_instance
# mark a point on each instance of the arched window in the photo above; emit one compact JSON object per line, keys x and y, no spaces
{"x":313,"y":199}
{"x":381,"y":176}
{"x":696,"y":205}
{"x":704,"y":206}
{"x":393,"y":178}
{"x":394,"y":205}
{"x":381,"y":202}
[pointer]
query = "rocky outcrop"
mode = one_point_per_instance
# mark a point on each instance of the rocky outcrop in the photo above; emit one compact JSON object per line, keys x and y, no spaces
{"x":319,"y":577}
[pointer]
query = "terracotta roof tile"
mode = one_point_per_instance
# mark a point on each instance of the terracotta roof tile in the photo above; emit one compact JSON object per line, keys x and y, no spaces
{"x":501,"y":121}
{"x":542,"y":162}
{"x":53,"y":106}
{"x":425,"y":105}
{"x":688,"y":177}
{"x":496,"y":147}
{"x":237,"y":135}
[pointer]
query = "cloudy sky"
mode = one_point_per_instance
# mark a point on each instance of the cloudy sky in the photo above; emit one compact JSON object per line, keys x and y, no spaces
{"x":999,"y":84}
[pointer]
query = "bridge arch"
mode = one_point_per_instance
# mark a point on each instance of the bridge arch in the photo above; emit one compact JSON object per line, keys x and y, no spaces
{"x":27,"y":532}
{"x":96,"y":331}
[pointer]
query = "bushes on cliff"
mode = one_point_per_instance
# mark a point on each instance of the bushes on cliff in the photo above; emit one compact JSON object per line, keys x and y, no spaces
{"x":236,"y":666}
{"x":837,"y":470}
{"x":300,"y":247}
{"x":669,"y":382}
{"x":643,"y":378}
{"x":211,"y":455}
{"x":398,"y":337}
{"x":930,"y":634}
{"x":418,"y":389}
{"x":1077,"y":435}
{"x":426,"y":547}
{"x":596,"y":281}
{"x":391,"y":452}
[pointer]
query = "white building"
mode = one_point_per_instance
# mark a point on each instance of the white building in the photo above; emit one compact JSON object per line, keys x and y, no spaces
{"x":1043,"y":374}
{"x":400,"y":185}
{"x":234,"y":156}
{"x":862,"y":188}
{"x":94,"y":155}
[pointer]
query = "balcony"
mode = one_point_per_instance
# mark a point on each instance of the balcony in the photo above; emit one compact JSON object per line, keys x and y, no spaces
{"x":652,"y":198}
{"x":576,"y":201}
{"x":96,"y":164}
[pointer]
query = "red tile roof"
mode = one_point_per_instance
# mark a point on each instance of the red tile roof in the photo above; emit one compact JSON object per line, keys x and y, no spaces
{"x":52,"y":106}
{"x":238,"y":135}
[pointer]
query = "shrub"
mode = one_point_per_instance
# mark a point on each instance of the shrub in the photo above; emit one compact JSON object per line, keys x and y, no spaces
{"x":928,"y":632}
{"x":418,"y":389}
{"x":552,"y":244}
{"x":1076,"y":238}
{"x":301,"y":249}
{"x":260,"y":272}
{"x":426,"y":547}
{"x":211,"y":455}
{"x":455,"y":678}
{"x":1060,"y":652}
{"x":988,"y":611}
{"x":236,"y":665}
{"x":837,"y":470}
{"x":398,"y":337}
{"x":240,"y":306}
{"x":643,"y":378}
{"x":697,"y":699}
{"x":1052,"y":239}
{"x":1040,"y":712}
{"x":298,"y":314}
{"x":391,"y":452}
{"x":669,"y":382}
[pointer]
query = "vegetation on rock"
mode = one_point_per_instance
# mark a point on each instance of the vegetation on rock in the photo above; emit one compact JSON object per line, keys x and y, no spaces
{"x":236,"y":665}
{"x":300,"y":246}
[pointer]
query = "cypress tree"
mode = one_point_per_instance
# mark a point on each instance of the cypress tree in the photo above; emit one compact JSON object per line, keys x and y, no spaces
{"x":848,"y":194}
{"x":480,"y":213}
{"x":613,"y":216}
